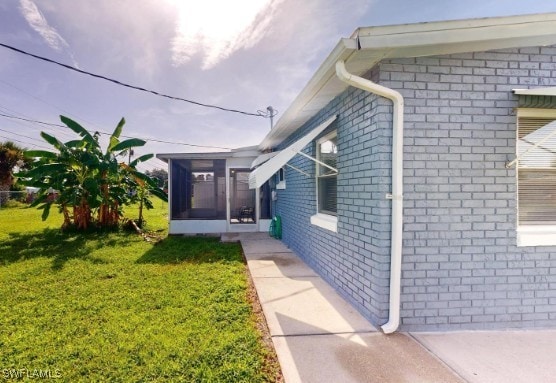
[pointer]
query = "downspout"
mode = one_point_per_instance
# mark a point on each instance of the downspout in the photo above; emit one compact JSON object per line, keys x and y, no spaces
{"x":397,"y":187}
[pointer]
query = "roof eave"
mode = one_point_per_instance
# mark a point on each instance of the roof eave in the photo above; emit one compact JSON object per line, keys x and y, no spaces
{"x":445,"y":37}
{"x":342,"y":51}
{"x":370,"y":45}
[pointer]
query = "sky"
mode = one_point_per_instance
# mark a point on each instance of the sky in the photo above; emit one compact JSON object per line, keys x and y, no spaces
{"x":243,"y":55}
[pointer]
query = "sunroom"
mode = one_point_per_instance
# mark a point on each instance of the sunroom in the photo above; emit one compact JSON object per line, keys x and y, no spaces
{"x":209,"y":193}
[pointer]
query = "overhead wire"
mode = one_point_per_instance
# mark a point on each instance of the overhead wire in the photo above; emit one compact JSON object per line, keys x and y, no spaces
{"x":121,"y":83}
{"x":20,"y":135}
{"x":23,"y":142}
{"x":106,"y":133}
{"x":67,"y":113}
{"x":30,"y":124}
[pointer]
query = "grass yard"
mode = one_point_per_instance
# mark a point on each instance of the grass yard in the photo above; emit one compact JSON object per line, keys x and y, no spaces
{"x":113,"y":307}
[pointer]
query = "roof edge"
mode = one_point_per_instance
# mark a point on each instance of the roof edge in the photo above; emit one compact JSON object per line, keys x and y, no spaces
{"x":369,"y":45}
{"x":342,"y":51}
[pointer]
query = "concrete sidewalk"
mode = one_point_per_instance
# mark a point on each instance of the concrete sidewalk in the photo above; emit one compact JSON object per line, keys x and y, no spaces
{"x":320,"y":338}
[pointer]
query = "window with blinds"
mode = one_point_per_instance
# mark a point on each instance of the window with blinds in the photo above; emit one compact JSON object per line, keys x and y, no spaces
{"x":536,"y":167}
{"x":327,"y":188}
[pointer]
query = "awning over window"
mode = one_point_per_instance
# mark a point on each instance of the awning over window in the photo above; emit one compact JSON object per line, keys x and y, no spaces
{"x":269,"y":167}
{"x":262,"y":159}
{"x":549,"y":91}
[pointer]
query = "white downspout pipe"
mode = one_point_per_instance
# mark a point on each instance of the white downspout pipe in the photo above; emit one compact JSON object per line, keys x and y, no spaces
{"x":397,"y":187}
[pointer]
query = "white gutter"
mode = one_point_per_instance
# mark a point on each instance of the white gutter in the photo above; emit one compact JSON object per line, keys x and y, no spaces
{"x":397,"y":187}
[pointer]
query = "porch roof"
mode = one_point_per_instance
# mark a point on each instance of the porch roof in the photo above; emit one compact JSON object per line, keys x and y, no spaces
{"x":249,"y":151}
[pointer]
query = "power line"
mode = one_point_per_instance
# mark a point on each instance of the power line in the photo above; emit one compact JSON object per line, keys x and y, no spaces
{"x":258,"y":114}
{"x":23,"y":142}
{"x":20,"y":135}
{"x":26,"y":124}
{"x":106,"y":133}
{"x":65,"y":112}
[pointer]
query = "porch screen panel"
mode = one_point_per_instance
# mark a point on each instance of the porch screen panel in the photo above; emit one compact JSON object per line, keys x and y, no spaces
{"x":198,"y":189}
{"x":536,"y":171}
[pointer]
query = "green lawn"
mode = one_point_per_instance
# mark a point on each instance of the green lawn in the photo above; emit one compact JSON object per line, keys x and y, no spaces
{"x":113,"y":307}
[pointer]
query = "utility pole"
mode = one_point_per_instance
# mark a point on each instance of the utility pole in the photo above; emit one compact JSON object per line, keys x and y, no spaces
{"x":271,"y":114}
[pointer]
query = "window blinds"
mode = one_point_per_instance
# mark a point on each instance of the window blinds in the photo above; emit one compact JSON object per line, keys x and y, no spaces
{"x":536,"y":171}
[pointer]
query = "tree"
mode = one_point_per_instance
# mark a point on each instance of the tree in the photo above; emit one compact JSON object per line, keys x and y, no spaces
{"x":160,"y":174}
{"x":11,"y":156}
{"x":92,"y":186}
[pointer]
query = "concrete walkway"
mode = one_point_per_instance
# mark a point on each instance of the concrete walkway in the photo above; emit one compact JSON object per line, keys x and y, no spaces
{"x":320,"y":338}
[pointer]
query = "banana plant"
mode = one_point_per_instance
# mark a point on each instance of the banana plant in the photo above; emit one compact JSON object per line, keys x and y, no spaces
{"x":89,"y":185}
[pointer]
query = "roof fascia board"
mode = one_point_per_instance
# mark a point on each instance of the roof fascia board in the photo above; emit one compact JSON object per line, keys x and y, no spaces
{"x":247,"y":151}
{"x":454,"y":40}
{"x":370,"y":45}
{"x":193,"y":156}
{"x":478,"y":46}
{"x":529,"y":21}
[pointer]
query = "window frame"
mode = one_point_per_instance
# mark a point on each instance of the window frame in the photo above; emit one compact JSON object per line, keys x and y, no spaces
{"x":324,"y":219}
{"x":531,"y":235}
{"x":281,"y":178}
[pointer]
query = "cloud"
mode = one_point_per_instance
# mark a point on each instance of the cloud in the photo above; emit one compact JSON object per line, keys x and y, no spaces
{"x":38,"y":22}
{"x":214,"y":29}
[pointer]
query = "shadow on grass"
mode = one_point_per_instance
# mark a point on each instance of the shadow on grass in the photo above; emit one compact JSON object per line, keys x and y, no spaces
{"x":49,"y":243}
{"x":176,"y":249}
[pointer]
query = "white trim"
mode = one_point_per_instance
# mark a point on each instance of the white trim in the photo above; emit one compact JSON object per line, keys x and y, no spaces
{"x":264,"y":225}
{"x":532,"y":235}
{"x":261,"y":174}
{"x":281,"y":184}
{"x":536,"y":235}
{"x":334,"y":170}
{"x":262,"y":159}
{"x":170,"y":194}
{"x":198,"y":226}
{"x":239,"y":227}
{"x":298,"y":170}
{"x":367,"y":46}
{"x":550,"y":91}
{"x":328,"y":222}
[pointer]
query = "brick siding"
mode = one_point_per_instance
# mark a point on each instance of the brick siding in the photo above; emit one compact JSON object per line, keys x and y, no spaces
{"x":461,"y":267}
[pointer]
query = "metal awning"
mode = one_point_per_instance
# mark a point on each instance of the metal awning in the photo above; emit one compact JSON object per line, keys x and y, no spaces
{"x":262,"y":159}
{"x":549,"y":91}
{"x":269,"y":167}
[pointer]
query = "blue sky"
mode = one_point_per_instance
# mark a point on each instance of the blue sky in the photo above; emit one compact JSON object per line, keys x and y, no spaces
{"x":243,"y":55}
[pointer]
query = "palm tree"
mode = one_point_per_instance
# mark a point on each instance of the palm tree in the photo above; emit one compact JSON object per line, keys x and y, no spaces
{"x":11,"y":155}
